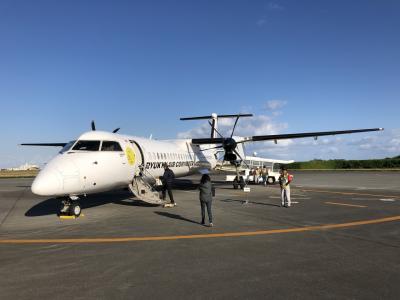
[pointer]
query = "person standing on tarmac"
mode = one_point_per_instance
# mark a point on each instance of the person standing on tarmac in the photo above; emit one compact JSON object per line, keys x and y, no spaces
{"x":258,"y":173}
{"x":167,"y":180}
{"x":284,"y":181}
{"x":206,"y":194}
{"x":264,"y":173}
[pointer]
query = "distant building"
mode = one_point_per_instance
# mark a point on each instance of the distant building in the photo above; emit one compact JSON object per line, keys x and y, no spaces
{"x":25,"y":167}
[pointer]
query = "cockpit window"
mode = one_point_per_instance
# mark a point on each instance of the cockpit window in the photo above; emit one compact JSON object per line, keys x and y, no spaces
{"x":87,"y":146}
{"x":67,"y":147}
{"x":110,"y":146}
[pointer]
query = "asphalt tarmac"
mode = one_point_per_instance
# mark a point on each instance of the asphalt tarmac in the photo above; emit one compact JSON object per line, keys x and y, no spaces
{"x":340,"y":240}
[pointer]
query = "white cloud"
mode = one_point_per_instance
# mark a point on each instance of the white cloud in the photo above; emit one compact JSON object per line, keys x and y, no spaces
{"x":261,"y":22}
{"x":275,"y":6}
{"x":256,"y":125}
{"x":275,"y":104}
{"x":197,"y":132}
{"x":353,"y":146}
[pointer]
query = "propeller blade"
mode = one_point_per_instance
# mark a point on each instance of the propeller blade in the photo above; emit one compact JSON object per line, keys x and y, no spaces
{"x":237,"y":153}
{"x":116,"y":130}
{"x":93,"y":126}
{"x":234,"y":126}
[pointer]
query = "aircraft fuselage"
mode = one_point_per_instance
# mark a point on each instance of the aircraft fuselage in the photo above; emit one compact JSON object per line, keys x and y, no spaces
{"x":101,"y":161}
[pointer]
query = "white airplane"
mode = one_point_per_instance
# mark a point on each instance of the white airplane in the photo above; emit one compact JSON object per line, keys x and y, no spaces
{"x":99,"y":161}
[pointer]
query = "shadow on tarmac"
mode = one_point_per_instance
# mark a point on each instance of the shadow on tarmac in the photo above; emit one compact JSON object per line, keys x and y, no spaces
{"x":174,"y":216}
{"x":52,"y":206}
{"x":185,"y":185}
{"x":250,"y":202}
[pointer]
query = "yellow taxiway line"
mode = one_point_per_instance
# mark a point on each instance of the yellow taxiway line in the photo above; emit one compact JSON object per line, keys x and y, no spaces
{"x":349,"y":193}
{"x":345,"y":204}
{"x":198,"y":236}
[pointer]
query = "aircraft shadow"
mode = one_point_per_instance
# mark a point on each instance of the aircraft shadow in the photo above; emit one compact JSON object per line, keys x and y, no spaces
{"x":250,"y":202}
{"x":185,"y":184}
{"x":174,"y":216}
{"x":52,"y":206}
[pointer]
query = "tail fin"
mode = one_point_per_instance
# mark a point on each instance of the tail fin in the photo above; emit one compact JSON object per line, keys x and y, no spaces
{"x":214,"y":120}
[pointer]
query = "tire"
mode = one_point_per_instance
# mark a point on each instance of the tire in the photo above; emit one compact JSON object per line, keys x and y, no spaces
{"x":242,"y":183}
{"x":235,"y":184}
{"x":271,"y":180}
{"x":75,"y":209}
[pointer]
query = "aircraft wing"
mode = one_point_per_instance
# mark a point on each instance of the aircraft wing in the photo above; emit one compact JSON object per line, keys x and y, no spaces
{"x":275,"y":137}
{"x":45,"y":144}
{"x":307,"y":134}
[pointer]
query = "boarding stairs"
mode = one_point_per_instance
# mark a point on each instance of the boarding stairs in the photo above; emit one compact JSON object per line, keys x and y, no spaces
{"x":143,"y":190}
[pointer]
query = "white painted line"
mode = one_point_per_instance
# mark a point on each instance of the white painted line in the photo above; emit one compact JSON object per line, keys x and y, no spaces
{"x":387,"y":200}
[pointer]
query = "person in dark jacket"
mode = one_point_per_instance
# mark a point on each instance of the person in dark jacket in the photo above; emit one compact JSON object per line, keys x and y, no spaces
{"x":167,"y":180}
{"x":206,"y":194}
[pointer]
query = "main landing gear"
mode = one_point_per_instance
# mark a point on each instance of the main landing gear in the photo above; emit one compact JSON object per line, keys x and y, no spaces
{"x":70,"y":207}
{"x":238,"y":181}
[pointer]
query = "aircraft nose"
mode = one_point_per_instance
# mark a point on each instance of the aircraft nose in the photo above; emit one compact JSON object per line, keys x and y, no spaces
{"x":47,"y":183}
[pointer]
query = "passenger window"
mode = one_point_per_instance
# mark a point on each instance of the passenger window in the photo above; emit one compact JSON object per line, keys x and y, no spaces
{"x":87,"y":146}
{"x":110,"y":146}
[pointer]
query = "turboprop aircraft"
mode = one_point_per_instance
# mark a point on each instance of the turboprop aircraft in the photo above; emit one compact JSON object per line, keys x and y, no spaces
{"x":99,"y":161}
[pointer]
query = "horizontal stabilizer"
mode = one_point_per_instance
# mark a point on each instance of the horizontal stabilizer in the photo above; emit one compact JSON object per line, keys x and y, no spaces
{"x":45,"y":144}
{"x":218,"y":116}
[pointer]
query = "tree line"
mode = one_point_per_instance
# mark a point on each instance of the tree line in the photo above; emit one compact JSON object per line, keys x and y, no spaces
{"x":387,"y":163}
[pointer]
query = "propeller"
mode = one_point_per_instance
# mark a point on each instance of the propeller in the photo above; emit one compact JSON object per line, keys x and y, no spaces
{"x":228,"y":144}
{"x":93,"y":125}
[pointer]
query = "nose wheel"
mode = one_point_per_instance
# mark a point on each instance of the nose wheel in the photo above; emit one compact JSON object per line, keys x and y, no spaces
{"x":70,"y":207}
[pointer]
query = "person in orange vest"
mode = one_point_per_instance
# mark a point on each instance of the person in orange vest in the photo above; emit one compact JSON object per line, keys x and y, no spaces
{"x":284,"y":181}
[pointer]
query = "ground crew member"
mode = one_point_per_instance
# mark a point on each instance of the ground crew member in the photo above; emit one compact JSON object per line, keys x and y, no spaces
{"x":167,"y":180}
{"x":257,"y":177}
{"x":284,"y":181}
{"x":206,"y":194}
{"x":264,"y":173}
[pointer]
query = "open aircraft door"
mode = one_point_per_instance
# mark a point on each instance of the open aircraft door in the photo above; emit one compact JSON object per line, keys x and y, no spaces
{"x":135,"y":157}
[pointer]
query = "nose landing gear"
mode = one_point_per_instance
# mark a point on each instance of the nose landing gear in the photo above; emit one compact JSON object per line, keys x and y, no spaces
{"x":70,"y":207}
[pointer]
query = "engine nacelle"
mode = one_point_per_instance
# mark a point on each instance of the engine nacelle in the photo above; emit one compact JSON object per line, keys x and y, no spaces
{"x":229,"y":156}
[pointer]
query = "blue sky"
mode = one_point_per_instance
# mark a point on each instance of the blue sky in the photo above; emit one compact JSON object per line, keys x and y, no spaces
{"x":140,"y":65}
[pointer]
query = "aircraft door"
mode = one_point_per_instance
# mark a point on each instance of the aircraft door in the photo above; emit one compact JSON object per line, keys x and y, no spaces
{"x":110,"y":165}
{"x":135,"y":155}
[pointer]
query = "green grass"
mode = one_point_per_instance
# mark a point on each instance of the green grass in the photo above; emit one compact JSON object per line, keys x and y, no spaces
{"x":373,"y":164}
{"x":17,"y":174}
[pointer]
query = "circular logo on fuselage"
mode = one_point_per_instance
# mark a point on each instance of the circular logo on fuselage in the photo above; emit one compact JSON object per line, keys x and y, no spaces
{"x":130,"y":155}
